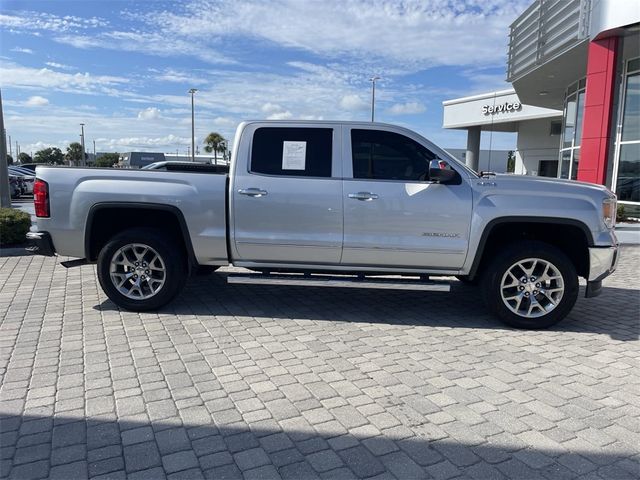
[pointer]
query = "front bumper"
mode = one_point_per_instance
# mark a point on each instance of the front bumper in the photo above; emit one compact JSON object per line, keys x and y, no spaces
{"x":40,"y":243}
{"x":602,"y":263}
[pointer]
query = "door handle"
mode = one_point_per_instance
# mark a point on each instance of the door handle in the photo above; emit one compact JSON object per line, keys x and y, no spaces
{"x":252,"y":192}
{"x":363,"y":196}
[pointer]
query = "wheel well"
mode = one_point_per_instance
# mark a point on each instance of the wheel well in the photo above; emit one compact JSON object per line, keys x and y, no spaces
{"x":105,"y":222}
{"x":570,"y":239}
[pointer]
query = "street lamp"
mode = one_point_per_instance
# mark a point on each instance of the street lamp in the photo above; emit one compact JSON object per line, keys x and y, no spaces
{"x":82,"y":142}
{"x":193,"y":128}
{"x":373,"y":96}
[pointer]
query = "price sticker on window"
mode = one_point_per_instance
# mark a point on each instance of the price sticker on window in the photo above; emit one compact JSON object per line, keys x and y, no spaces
{"x":294,"y":155}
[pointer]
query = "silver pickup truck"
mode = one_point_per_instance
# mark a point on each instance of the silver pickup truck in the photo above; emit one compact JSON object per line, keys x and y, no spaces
{"x":344,"y":204}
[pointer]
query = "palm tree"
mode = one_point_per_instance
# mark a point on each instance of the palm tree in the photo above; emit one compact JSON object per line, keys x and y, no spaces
{"x":215,"y":143}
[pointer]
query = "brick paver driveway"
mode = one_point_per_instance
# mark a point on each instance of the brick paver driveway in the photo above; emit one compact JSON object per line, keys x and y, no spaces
{"x":234,"y":381}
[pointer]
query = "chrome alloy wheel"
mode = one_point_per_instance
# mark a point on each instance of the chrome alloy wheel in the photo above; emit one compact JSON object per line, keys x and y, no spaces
{"x":532,"y":287}
{"x":137,"y":271}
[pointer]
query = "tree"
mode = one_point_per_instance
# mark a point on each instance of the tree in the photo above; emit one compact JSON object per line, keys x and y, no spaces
{"x":24,"y":158}
{"x":215,"y":143}
{"x":511,"y":162}
{"x":9,"y":159}
{"x":107,"y":160}
{"x":51,"y":155}
{"x":74,"y":153}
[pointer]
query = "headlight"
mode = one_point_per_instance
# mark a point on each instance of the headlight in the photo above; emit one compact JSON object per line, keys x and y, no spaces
{"x":609,"y":212}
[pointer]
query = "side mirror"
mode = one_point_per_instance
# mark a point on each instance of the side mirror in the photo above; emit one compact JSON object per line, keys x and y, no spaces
{"x":439,"y":173}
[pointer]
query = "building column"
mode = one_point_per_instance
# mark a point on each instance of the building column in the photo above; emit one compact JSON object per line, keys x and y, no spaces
{"x":598,"y":110}
{"x":472,"y":157}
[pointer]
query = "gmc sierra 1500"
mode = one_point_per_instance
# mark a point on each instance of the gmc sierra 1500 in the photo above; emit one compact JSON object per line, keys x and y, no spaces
{"x":334,"y":204}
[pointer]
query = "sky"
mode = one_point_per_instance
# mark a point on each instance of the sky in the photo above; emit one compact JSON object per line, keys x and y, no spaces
{"x":123,"y":68}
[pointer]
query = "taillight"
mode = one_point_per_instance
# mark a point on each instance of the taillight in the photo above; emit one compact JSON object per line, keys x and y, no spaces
{"x":41,"y":198}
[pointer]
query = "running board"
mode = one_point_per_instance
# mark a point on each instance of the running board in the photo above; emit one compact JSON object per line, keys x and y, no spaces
{"x":335,"y":281}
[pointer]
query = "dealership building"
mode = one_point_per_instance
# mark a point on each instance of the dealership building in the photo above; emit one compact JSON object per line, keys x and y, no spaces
{"x":574,"y":69}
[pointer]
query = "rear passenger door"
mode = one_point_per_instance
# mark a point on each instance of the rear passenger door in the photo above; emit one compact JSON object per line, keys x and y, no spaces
{"x":287,"y":195}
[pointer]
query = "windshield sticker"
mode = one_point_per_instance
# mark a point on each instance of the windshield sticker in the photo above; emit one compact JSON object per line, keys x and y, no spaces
{"x":293,"y":155}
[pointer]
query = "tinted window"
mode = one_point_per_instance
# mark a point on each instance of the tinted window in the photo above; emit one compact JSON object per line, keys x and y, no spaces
{"x":388,"y":156}
{"x":292,"y":151}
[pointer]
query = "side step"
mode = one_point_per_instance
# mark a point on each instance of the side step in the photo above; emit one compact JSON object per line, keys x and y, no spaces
{"x":339,"y":281}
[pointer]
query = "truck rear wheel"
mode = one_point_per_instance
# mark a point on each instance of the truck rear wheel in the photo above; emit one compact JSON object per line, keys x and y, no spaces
{"x":530,"y":285}
{"x":141,"y":269}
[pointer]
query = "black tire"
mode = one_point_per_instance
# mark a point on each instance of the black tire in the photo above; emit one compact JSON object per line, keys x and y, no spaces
{"x":171,"y":255}
{"x":492,"y":278}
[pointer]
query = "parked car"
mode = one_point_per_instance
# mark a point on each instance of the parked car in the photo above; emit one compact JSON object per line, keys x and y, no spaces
{"x":29,"y":166}
{"x":340,"y":204}
{"x":28,"y":178}
{"x":14,"y":187}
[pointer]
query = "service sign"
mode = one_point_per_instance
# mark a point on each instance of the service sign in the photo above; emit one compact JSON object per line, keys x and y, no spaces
{"x":505,"y":107}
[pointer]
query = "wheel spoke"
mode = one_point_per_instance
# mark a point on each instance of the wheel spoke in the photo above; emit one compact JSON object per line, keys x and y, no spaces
{"x":548,"y":297}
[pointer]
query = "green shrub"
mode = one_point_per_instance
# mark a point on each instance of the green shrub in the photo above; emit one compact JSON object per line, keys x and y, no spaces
{"x":14,"y":225}
{"x":621,"y":215}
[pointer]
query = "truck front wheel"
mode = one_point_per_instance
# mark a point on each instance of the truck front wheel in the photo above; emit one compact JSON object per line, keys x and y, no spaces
{"x":530,"y":285}
{"x":141,"y":269}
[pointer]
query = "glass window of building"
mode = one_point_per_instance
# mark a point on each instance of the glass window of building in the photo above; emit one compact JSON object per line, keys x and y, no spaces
{"x":627,"y":173}
{"x":572,"y":130}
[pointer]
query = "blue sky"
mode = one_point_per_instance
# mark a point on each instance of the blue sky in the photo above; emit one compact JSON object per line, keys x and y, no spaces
{"x":124,"y":67}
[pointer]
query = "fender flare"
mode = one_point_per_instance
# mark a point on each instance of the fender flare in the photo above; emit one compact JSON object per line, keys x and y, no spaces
{"x":175,"y":211}
{"x":523,"y":219}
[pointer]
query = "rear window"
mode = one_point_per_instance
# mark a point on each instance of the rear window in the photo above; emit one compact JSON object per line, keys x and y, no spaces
{"x":297,"y":152}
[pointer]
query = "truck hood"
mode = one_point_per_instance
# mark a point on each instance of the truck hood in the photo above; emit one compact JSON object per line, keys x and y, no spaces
{"x":555,"y":186}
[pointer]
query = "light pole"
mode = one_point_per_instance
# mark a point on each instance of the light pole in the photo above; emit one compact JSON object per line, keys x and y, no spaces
{"x":373,"y":96}
{"x":5,"y":194}
{"x":82,"y":143}
{"x":192,"y":91}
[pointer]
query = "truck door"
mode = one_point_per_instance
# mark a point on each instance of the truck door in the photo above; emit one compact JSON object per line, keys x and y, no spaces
{"x":286,"y":198}
{"x":393,"y":215}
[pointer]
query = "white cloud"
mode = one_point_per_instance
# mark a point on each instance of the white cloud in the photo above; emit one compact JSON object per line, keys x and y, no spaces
{"x":271,"y":108}
{"x":36,"y":101}
{"x":22,"y":50}
{"x":409,"y":108}
{"x":354,"y":103}
{"x":286,"y":115}
{"x":14,"y":75}
{"x":176,"y":76}
{"x":412,"y":33}
{"x":150,"y":113}
{"x":145,"y":142}
{"x":31,"y":20}
{"x":60,"y":66}
{"x":149,"y":43}
{"x":224,"y":122}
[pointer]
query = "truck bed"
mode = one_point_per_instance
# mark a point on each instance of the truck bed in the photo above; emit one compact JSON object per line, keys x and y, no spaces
{"x":76,"y":192}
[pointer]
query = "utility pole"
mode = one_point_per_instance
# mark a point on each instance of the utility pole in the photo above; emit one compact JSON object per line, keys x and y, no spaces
{"x":5,"y":194}
{"x":10,"y":152}
{"x":373,"y":96}
{"x":17,"y":149}
{"x":192,"y":91}
{"x":82,"y":162}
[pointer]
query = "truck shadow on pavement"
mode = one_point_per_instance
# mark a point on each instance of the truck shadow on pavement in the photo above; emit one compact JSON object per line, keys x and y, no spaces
{"x":75,"y":447}
{"x":615,"y":312}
